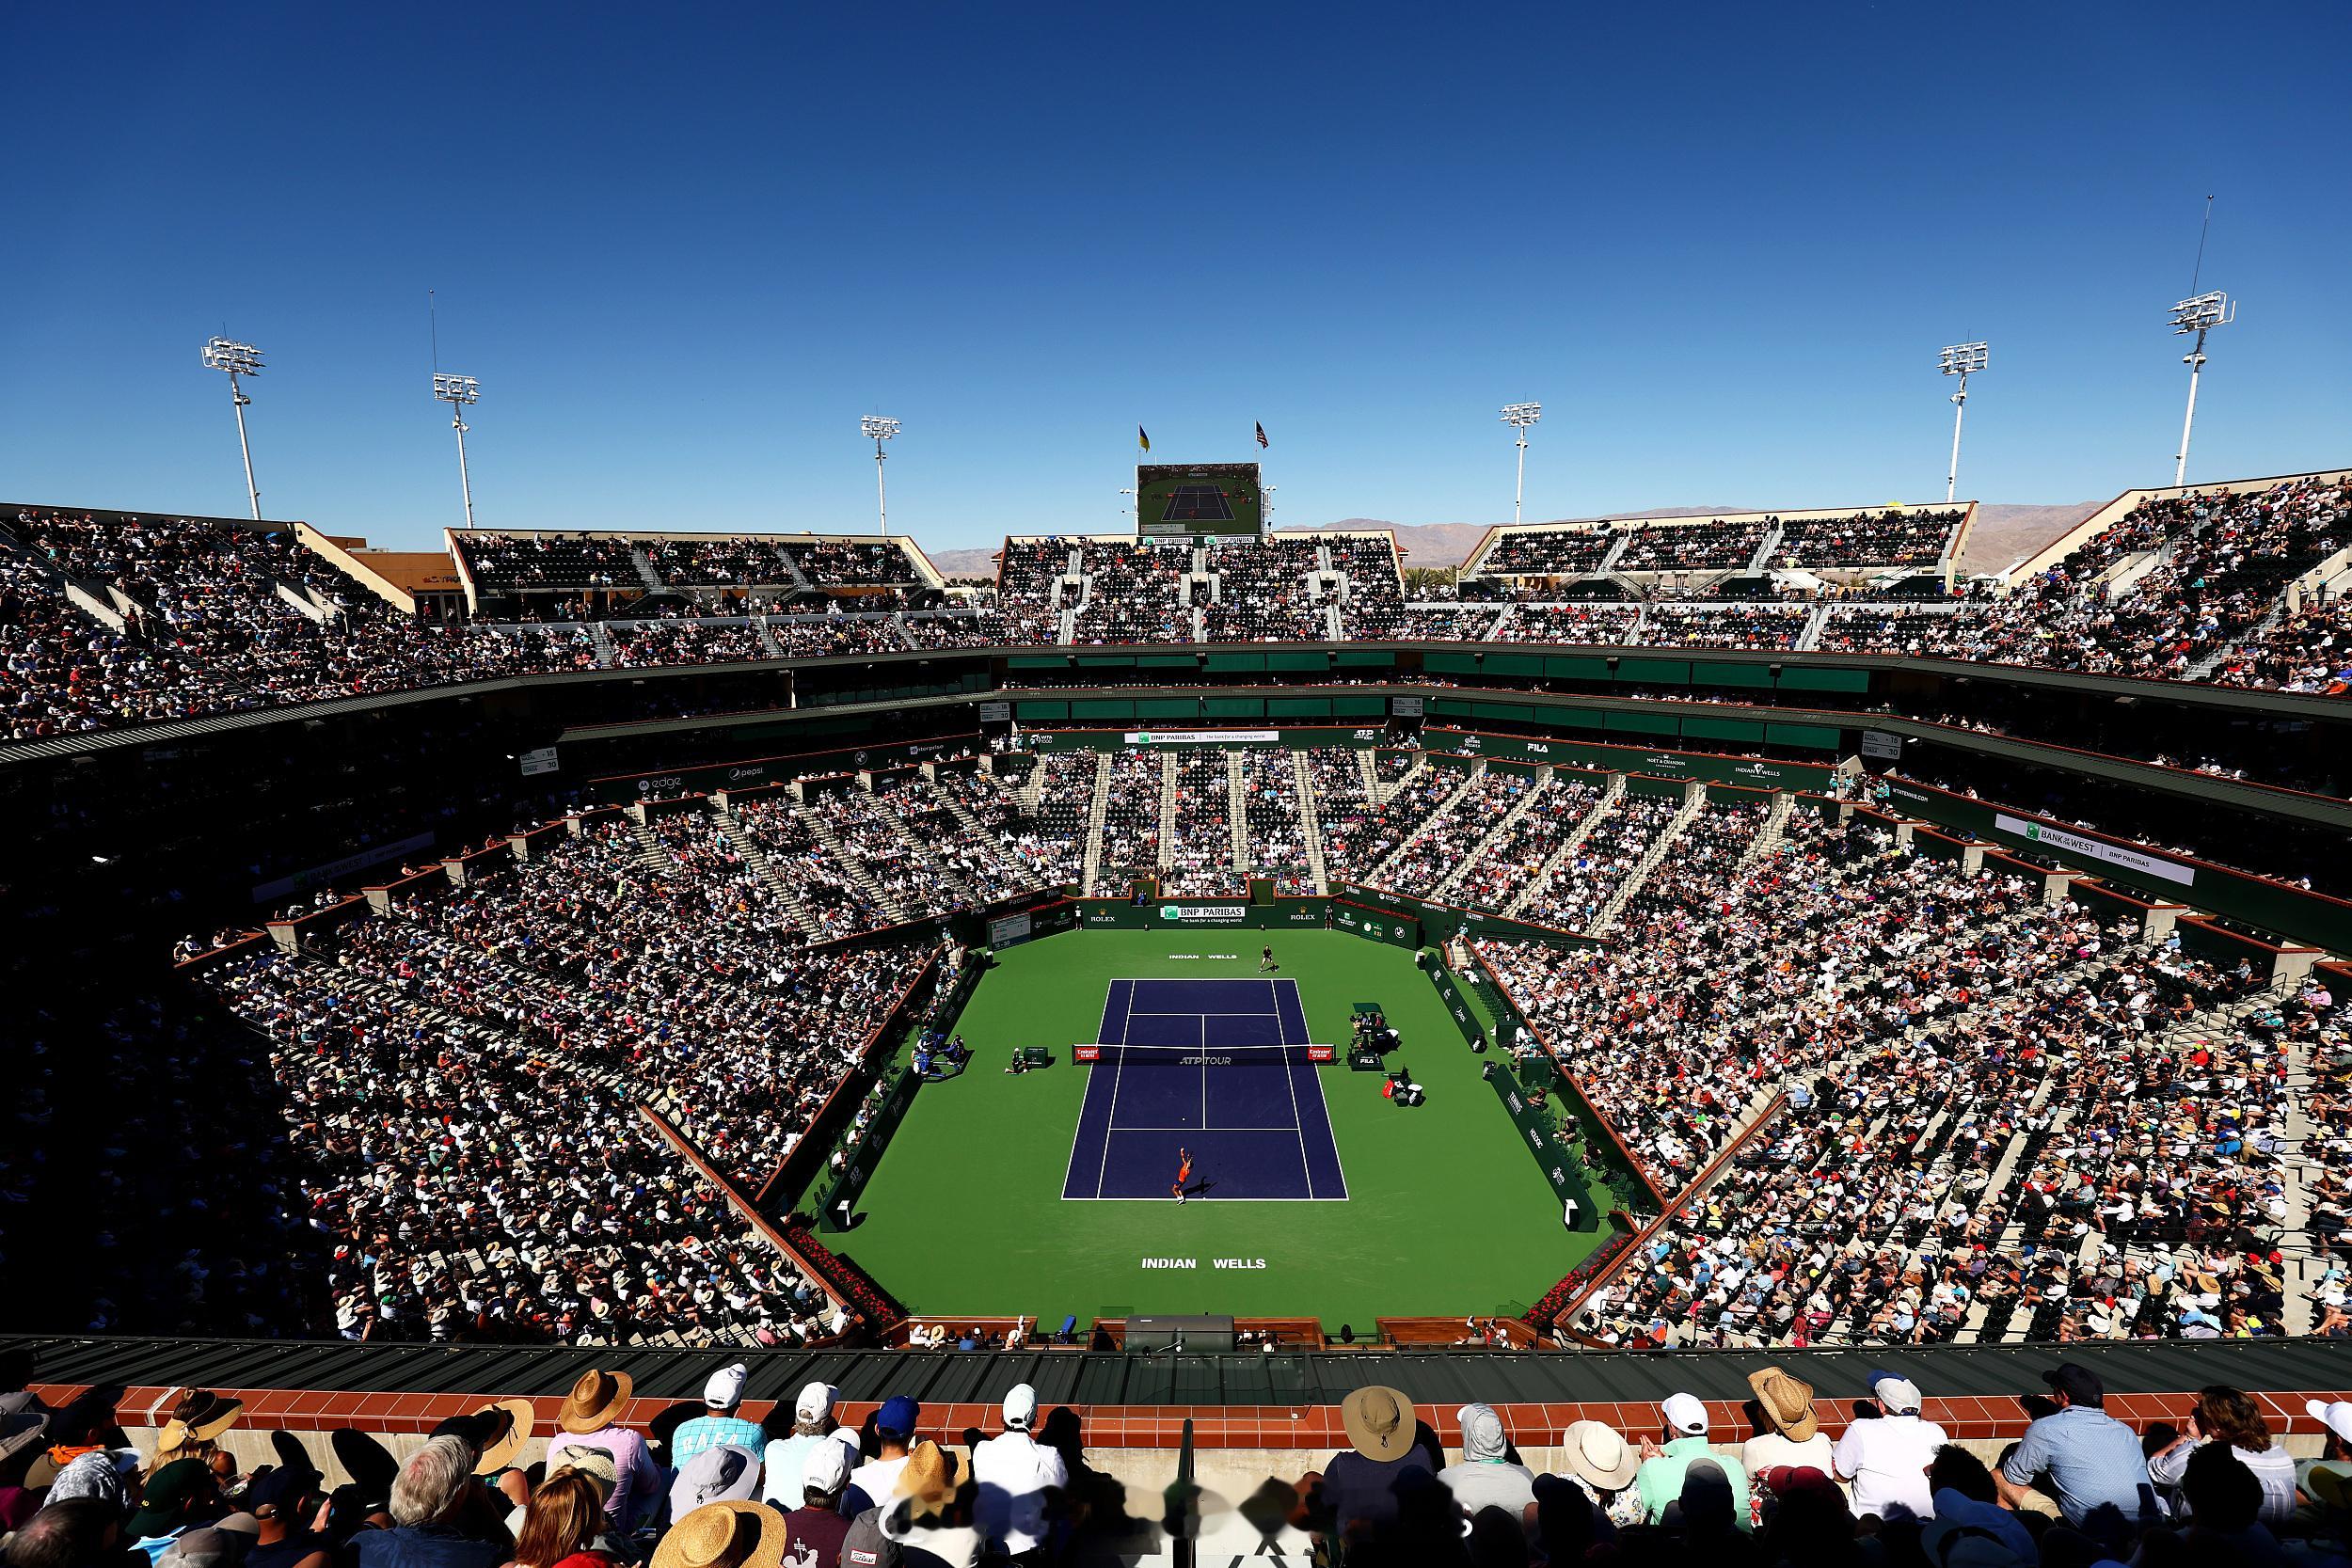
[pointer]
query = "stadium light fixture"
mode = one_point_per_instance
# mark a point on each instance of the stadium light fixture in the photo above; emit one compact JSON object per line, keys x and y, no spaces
{"x":1518,"y":415}
{"x":880,"y":430}
{"x":238,"y":359}
{"x":458,"y":392}
{"x":1963,"y":360}
{"x":2199,"y":315}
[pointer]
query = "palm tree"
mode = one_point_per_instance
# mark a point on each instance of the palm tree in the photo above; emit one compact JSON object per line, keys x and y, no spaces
{"x":1423,"y":581}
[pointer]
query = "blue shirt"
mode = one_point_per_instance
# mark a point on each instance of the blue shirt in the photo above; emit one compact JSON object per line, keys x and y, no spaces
{"x":2092,"y":1459}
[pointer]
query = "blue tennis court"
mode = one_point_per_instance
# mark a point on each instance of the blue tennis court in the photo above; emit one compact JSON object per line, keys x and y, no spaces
{"x":1216,"y":1067}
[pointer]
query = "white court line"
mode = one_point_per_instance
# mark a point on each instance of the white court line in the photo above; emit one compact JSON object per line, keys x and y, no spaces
{"x":1290,"y":1076}
{"x":1204,"y":1070}
{"x":1070,"y":1165}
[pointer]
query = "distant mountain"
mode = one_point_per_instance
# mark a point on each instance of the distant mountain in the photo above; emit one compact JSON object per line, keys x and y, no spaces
{"x":2002,"y":533}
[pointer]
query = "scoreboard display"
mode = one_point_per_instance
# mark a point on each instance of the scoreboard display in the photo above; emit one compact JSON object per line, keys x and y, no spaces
{"x":1180,"y":501}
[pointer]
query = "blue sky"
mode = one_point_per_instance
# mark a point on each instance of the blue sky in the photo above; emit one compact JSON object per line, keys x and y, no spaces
{"x":685,"y":250}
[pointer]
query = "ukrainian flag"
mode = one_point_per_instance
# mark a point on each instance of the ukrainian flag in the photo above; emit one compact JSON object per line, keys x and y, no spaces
{"x":1142,"y":439}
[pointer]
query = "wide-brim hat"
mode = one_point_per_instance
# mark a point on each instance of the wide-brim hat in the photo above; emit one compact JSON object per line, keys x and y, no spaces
{"x":20,"y":1430}
{"x":208,"y":1415}
{"x":368,"y":1463}
{"x":1595,"y":1453}
{"x":595,"y":1400}
{"x":708,"y":1536}
{"x":498,"y":1431}
{"x":1379,"y":1422}
{"x":1786,"y":1402}
{"x":928,"y":1480}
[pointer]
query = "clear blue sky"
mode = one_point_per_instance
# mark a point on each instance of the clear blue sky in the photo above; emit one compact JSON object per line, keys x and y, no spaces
{"x":684,"y":251}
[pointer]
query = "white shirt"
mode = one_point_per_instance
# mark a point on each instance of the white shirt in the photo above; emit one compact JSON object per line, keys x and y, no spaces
{"x":787,"y":1460}
{"x":1013,"y":1472}
{"x":1886,"y":1459}
{"x":877,"y":1479}
{"x":1762,"y":1453}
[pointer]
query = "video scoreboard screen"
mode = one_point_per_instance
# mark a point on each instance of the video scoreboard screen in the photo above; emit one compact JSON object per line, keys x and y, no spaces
{"x":1178,"y":500}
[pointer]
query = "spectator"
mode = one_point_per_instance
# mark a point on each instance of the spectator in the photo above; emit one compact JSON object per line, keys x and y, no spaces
{"x":1488,"y":1477}
{"x":1664,"y":1469}
{"x":193,"y":1429}
{"x":2226,"y":1416}
{"x":925,"y":1521}
{"x":727,"y":1473}
{"x":1602,"y":1466}
{"x":2225,"y":1504}
{"x":2335,"y":1457}
{"x":591,"y":1417}
{"x":1791,"y":1431}
{"x":725,"y":1536}
{"x":79,"y":1532}
{"x":1966,"y":1499}
{"x":894,"y":1437}
{"x":281,"y":1505}
{"x":722,"y":1395}
{"x":179,"y":1496}
{"x":562,"y":1525}
{"x":442,"y":1518}
{"x":2084,"y":1459}
{"x":1387,"y":1457}
{"x":1885,"y":1457}
{"x":814,"y":1522}
{"x":1019,"y":1478}
{"x":812,"y":1427}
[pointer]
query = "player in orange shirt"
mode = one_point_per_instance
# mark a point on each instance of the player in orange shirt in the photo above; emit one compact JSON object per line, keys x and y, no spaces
{"x":1183,"y":1172}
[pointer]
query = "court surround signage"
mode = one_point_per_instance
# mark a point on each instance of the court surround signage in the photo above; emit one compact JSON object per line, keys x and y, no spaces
{"x":1205,"y":914}
{"x":2095,"y":849}
{"x":1203,"y":738}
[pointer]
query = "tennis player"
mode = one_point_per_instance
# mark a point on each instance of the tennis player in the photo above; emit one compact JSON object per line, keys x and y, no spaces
{"x":1183,"y":1172}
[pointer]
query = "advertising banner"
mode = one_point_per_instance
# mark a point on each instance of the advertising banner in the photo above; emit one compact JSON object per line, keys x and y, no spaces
{"x":1456,"y":1003}
{"x":1560,"y":1167}
{"x":844,"y":1188}
{"x":1201,"y":738}
{"x":1756,"y":772}
{"x":1399,"y":930}
{"x":2094,"y":848}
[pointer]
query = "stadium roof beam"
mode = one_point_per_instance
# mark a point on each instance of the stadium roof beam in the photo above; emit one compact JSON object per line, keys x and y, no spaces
{"x":457,"y":391}
{"x":2199,"y":315}
{"x":1963,"y":360}
{"x":880,"y":430}
{"x":1518,"y":415}
{"x":238,"y":359}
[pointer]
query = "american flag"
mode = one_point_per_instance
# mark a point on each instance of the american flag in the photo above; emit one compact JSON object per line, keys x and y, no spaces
{"x":1261,"y":440}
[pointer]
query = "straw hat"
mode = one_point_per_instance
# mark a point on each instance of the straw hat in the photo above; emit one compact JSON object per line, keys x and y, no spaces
{"x":595,"y":1400}
{"x":1595,"y":1453}
{"x":1786,"y":1402}
{"x":496,"y":1433}
{"x":928,"y":1480}
{"x":199,"y":1416}
{"x":741,"y":1534}
{"x":1379,"y":1422}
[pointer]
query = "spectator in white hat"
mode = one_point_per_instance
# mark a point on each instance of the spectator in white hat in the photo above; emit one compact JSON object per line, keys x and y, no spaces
{"x":1017,"y":1477}
{"x":812,"y":1427}
{"x":2335,"y":1456}
{"x":722,"y":1395}
{"x":814,"y":1524}
{"x":1885,"y":1457}
{"x":1659,"y":1479}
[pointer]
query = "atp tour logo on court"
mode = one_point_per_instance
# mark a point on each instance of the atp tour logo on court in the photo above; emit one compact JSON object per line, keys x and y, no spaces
{"x":1205,"y":914}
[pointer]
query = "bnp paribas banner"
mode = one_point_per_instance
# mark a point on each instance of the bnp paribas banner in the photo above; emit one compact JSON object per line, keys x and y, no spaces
{"x":1204,"y":914}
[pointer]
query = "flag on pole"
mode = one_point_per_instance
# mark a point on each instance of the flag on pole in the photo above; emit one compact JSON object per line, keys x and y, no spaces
{"x":1142,"y":439}
{"x":1261,"y":440}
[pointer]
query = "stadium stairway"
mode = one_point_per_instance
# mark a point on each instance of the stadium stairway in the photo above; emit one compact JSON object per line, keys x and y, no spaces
{"x":1168,"y":812}
{"x":602,"y":636}
{"x":1762,"y":559}
{"x":1692,"y":804}
{"x":1310,"y":821}
{"x":768,"y":637}
{"x":821,"y":824}
{"x":650,"y":852}
{"x":1378,"y":877}
{"x":1774,"y":829}
{"x":1541,"y":879}
{"x":645,"y":573}
{"x":1541,"y":782}
{"x":1236,"y":814}
{"x":1810,"y":637}
{"x":1098,"y":807}
{"x":760,"y":861}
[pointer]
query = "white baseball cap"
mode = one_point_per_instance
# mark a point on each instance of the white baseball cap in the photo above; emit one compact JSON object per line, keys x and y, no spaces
{"x":1685,"y":1414}
{"x":1021,"y":1407}
{"x":826,"y":1468}
{"x":1899,"y":1395}
{"x":2335,"y":1415}
{"x":816,"y":1401}
{"x":724,"y":1390}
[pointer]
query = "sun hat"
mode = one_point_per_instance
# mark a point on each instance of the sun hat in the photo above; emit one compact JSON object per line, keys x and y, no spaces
{"x":826,"y":1468}
{"x":929,"y":1479}
{"x":210,"y":1548}
{"x":496,"y":1432}
{"x":198,"y":1416}
{"x":597,"y":1398}
{"x":1021,"y":1407}
{"x":897,"y":1416}
{"x":714,"y":1533}
{"x":1685,"y":1414}
{"x":725,"y":1388}
{"x":1594,"y":1453}
{"x":1379,"y":1422}
{"x":168,"y":1490}
{"x":816,"y":1401}
{"x":725,"y":1473}
{"x":1786,"y":1402}
{"x":596,"y":1463}
{"x":240,"y":1523}
{"x":21,"y":1428}
{"x":2335,"y":1415}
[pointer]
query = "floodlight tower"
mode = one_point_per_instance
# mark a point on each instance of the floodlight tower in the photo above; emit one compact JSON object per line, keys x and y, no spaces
{"x":1963,"y":360}
{"x":880,"y":430}
{"x":238,"y":359}
{"x":457,"y":391}
{"x":2200,"y":315}
{"x":1518,"y":415}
